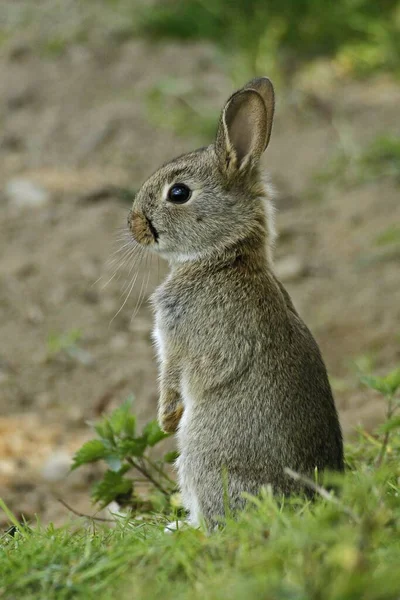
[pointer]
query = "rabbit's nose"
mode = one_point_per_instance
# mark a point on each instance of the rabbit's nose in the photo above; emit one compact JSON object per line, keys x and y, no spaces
{"x":142,"y":228}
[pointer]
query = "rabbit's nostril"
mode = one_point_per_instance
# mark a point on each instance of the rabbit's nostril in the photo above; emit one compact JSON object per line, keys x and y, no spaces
{"x":142,"y":228}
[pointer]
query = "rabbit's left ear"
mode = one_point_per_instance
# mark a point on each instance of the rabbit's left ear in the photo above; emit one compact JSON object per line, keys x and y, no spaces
{"x":264,"y":87}
{"x":242,"y":131}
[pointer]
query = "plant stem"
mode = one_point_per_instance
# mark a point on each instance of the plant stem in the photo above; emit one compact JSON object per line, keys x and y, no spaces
{"x":148,"y":475}
{"x":322,"y":492}
{"x":159,"y":470}
{"x":383,"y":450}
{"x":79,"y":514}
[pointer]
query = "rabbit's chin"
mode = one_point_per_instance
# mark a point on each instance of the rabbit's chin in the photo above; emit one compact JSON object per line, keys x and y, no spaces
{"x":181,"y":257}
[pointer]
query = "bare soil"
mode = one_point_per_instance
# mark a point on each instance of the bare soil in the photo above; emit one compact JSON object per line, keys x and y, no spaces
{"x":74,"y":124}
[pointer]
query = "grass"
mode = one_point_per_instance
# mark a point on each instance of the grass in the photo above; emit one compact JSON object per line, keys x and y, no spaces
{"x":173,"y":103}
{"x":343,"y":546}
{"x":280,"y":36}
{"x":298,"y":550}
{"x":353,"y":165}
{"x":252,"y":36}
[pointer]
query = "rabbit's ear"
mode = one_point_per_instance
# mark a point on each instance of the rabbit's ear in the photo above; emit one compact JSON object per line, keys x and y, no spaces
{"x":264,"y":87}
{"x":242,"y":131}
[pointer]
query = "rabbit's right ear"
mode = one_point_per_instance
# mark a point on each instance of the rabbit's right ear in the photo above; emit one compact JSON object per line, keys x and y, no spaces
{"x":242,"y":132}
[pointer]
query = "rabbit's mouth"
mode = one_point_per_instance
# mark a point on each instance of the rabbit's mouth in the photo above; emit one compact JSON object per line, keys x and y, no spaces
{"x":142,"y":229}
{"x":152,"y":229}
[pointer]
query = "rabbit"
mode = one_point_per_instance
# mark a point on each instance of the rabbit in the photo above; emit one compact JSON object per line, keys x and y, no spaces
{"x":242,"y":381}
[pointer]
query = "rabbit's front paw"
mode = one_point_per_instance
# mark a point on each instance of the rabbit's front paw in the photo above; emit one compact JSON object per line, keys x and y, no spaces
{"x":170,"y":414}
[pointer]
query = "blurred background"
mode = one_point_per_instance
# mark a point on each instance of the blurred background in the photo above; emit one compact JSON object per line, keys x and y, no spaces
{"x":94,"y":96}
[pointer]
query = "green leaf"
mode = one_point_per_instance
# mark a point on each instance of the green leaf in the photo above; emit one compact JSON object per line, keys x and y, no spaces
{"x":170,"y":457}
{"x":386,"y":385}
{"x":393,"y":423}
{"x":153,"y":433}
{"x":393,"y":380}
{"x":112,"y":485}
{"x":135,"y":447}
{"x":113,"y":462}
{"x":130,"y":426}
{"x":91,"y":451}
{"x":121,"y":420}
{"x":104,"y":430}
{"x":376,"y":383}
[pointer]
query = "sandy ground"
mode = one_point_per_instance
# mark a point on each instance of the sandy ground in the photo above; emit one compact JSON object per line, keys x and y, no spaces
{"x":74,"y":124}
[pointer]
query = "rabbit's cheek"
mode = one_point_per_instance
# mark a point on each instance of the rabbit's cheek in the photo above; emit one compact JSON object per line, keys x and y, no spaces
{"x":142,"y":229}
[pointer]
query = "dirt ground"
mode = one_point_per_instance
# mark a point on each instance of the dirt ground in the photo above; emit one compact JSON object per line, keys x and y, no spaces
{"x":74,"y":123}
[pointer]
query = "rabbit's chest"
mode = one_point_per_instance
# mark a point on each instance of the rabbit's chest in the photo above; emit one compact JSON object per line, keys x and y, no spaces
{"x":215,"y":345}
{"x":174,"y":313}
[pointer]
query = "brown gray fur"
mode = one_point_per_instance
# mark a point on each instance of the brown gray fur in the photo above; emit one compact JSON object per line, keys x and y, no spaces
{"x":242,"y":381}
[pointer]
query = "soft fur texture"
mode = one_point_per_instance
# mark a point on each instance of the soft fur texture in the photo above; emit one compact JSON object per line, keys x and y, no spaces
{"x":242,"y":381}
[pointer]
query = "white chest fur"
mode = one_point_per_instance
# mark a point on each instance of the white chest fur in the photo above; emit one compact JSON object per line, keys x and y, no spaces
{"x":159,"y":342}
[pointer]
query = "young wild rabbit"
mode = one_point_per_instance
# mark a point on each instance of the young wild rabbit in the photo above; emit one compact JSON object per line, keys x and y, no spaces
{"x":242,"y":381}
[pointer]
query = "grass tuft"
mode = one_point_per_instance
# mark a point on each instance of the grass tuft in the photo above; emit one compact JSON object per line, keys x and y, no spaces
{"x":342,"y":546}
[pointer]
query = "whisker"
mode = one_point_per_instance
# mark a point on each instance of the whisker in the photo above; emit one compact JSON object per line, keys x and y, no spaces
{"x":135,"y":263}
{"x":123,"y":262}
{"x":124,"y":236}
{"x":134,"y":280}
{"x":143,"y":289}
{"x":126,"y":297}
{"x":127,"y":243}
{"x":117,"y":259}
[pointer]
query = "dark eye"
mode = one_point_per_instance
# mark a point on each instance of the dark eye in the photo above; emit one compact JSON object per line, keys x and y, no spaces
{"x":179,"y":193}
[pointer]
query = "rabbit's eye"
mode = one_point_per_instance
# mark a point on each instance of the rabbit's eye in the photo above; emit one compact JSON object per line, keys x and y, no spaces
{"x":179,"y":193}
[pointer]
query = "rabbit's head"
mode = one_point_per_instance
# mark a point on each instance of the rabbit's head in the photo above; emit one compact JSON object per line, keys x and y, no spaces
{"x":208,"y":200}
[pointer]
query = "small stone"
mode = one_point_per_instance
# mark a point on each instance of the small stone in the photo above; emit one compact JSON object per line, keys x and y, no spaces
{"x":290,"y":268}
{"x":57,"y":466}
{"x":23,"y":193}
{"x":7,"y":467}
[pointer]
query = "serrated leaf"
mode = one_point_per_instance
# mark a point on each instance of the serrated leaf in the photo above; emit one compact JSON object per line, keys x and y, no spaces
{"x":135,"y":447}
{"x":119,"y":417}
{"x":170,"y":457}
{"x":112,"y":485}
{"x":104,"y":431}
{"x":90,"y":452}
{"x":130,"y":426}
{"x":393,"y":381}
{"x":153,"y":433}
{"x":393,"y":423}
{"x":114,"y":462}
{"x":376,"y":383}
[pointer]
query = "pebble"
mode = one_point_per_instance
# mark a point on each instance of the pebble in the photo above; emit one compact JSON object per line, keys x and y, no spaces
{"x":23,"y":193}
{"x":57,"y":466}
